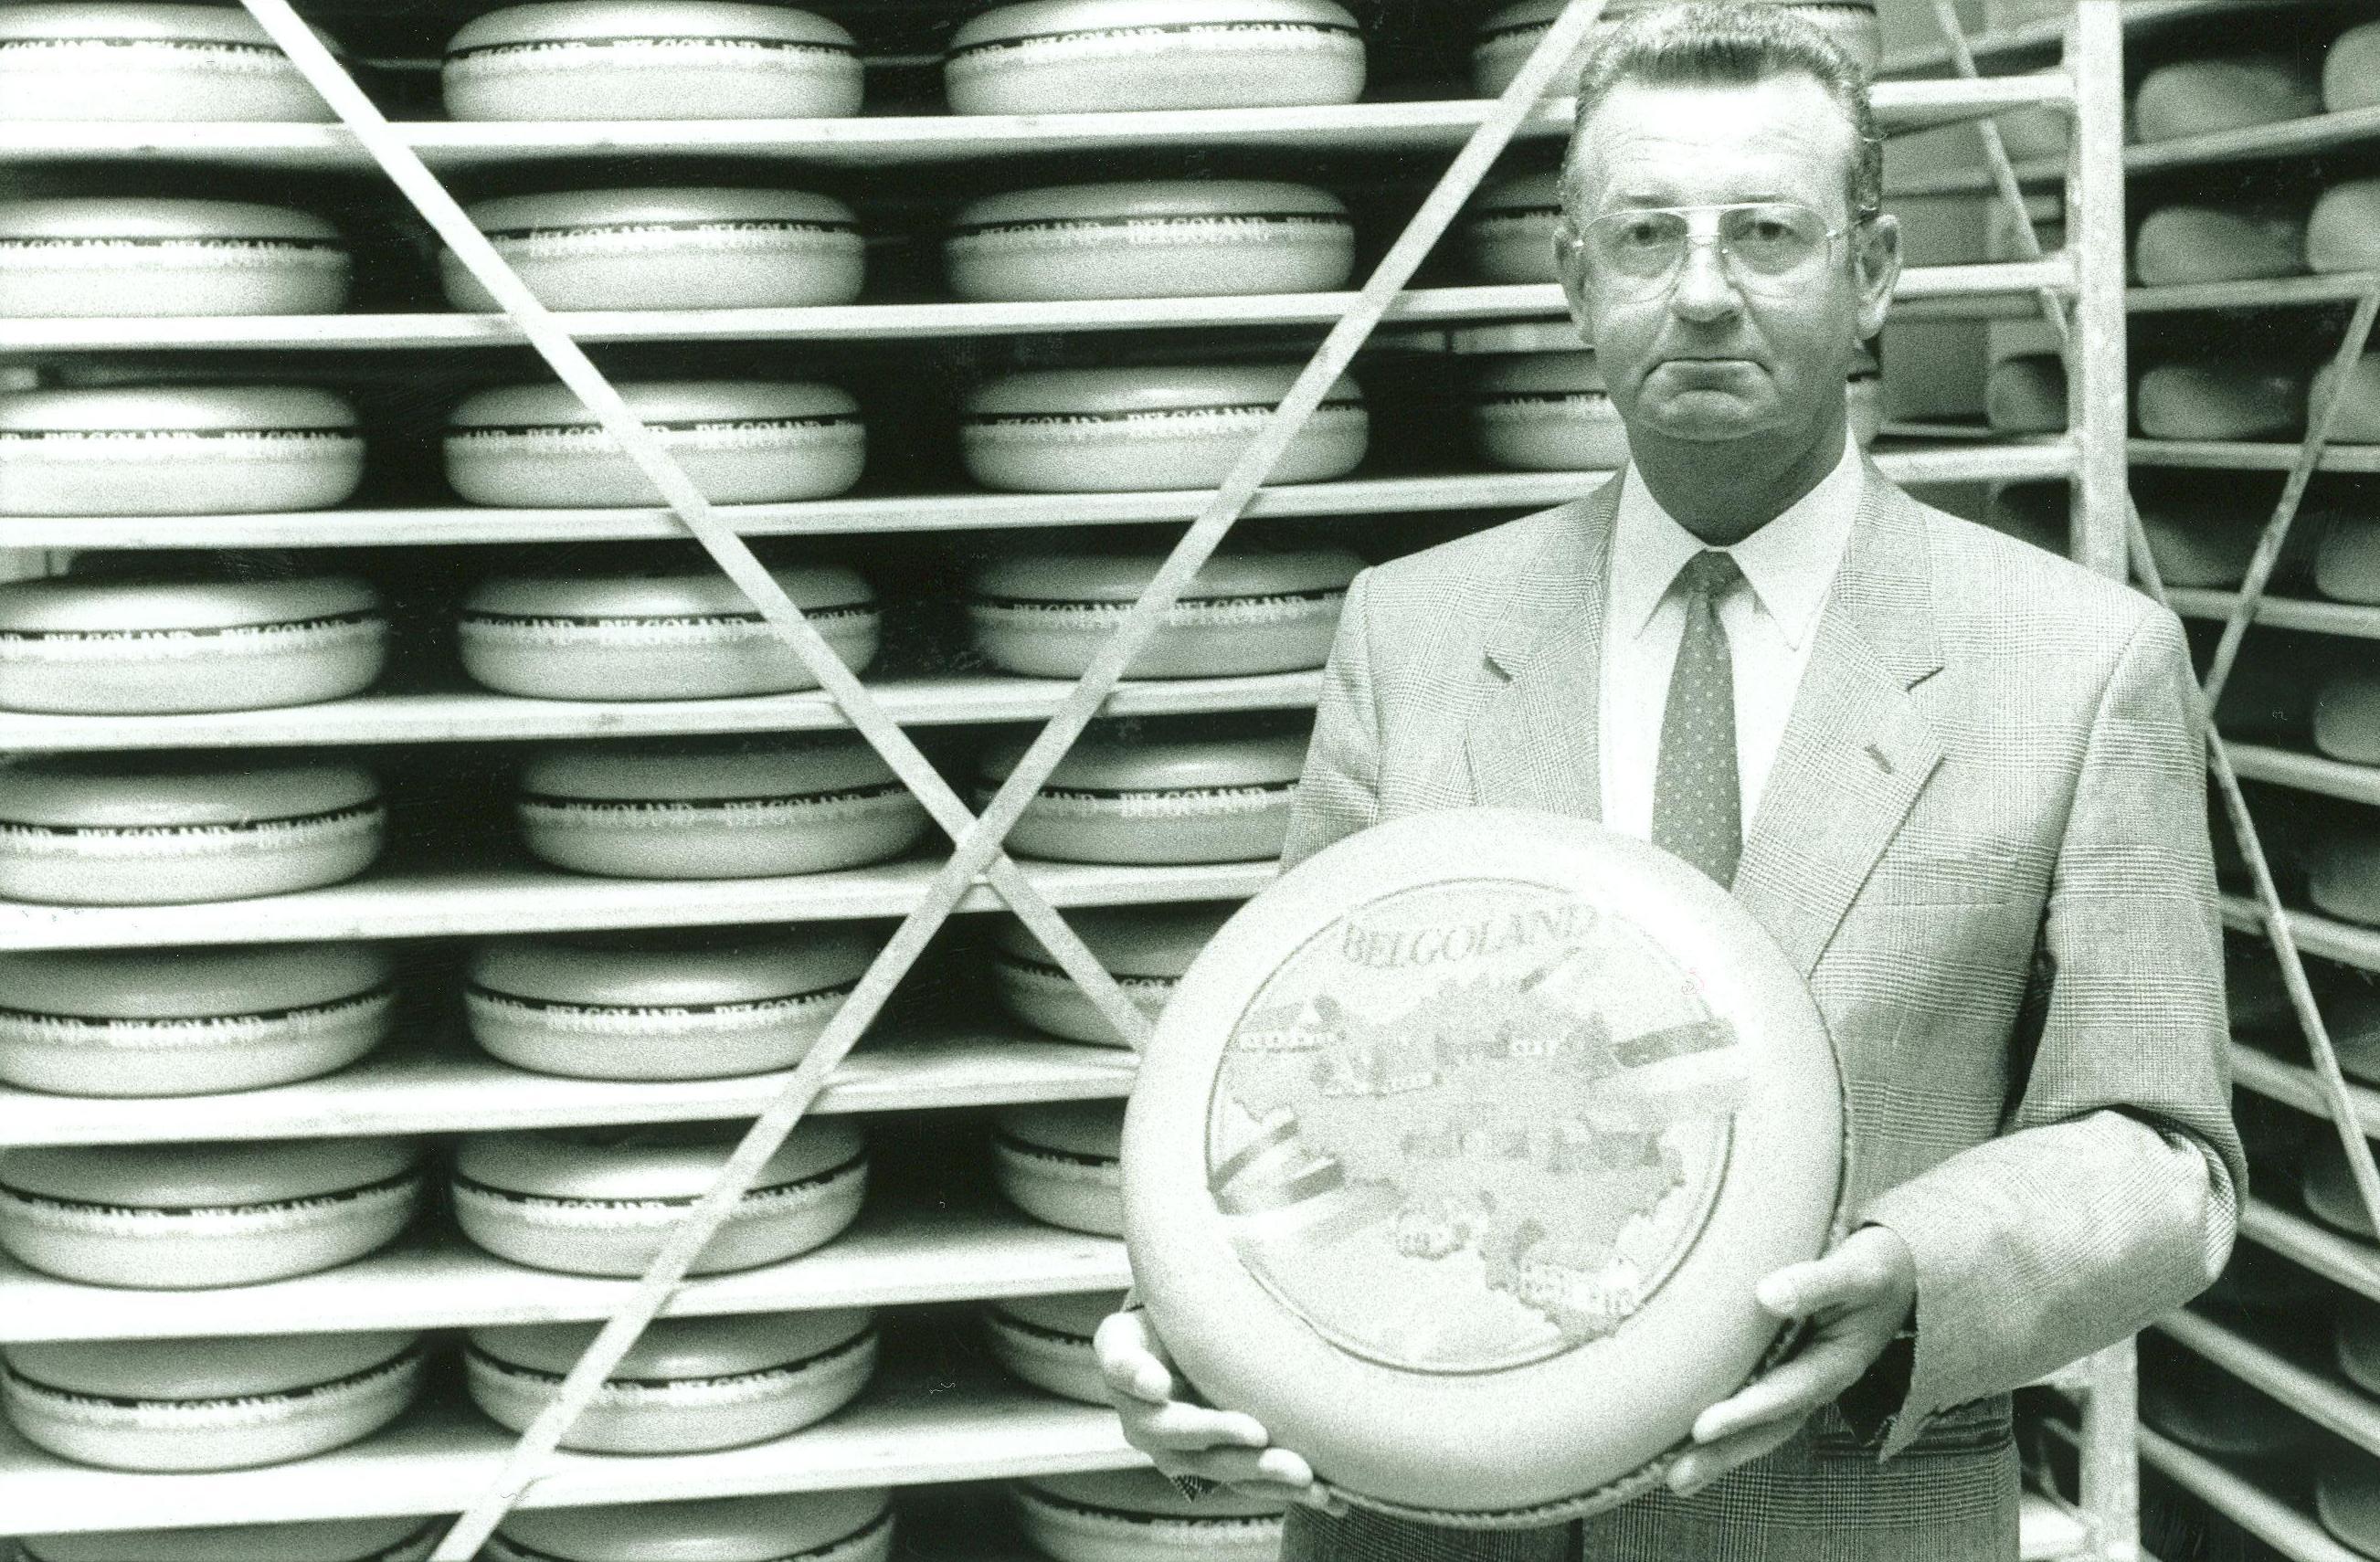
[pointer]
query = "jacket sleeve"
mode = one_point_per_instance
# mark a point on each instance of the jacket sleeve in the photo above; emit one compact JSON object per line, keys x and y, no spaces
{"x":1339,"y":791}
{"x":2113,"y":1195}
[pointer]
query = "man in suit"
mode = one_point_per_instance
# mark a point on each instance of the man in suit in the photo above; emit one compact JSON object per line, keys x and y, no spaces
{"x":1976,"y":817}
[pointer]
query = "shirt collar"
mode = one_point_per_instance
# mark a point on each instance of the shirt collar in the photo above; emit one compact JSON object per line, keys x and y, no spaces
{"x":1790,"y":562}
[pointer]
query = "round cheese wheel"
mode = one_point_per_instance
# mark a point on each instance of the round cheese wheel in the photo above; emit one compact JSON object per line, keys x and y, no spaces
{"x":1506,"y":37}
{"x":2357,"y":421}
{"x":180,"y":449}
{"x":692,"y":248}
{"x":1137,"y":1516}
{"x":687,"y":1385}
{"x":741,"y":442}
{"x":2026,"y":394}
{"x":2355,"y":1341}
{"x":2189,"y":243}
{"x":1060,"y":1162}
{"x":132,"y":60}
{"x":2203,"y":1408}
{"x":189,"y":1021}
{"x":216,"y":1404}
{"x":1482,"y":1325}
{"x":1547,"y":412}
{"x":602,"y":1200}
{"x":2200,"y":97}
{"x":690,"y":634}
{"x":1063,"y":56}
{"x":2350,"y":1013}
{"x":2328,"y":1188}
{"x":1508,"y":235}
{"x":2343,"y":235}
{"x":1156,"y":795}
{"x":85,"y":256}
{"x":1048,"y":614}
{"x":331,"y":1539}
{"x":1047,"y":1340}
{"x":838,"y":1526}
{"x":2219,"y":400}
{"x":1118,"y":429}
{"x":699,"y":1005}
{"x":135,"y":830}
{"x":2350,"y":72}
{"x":177,"y":1216}
{"x":2201,"y":542}
{"x":1145,"y":949}
{"x":2347,"y":715}
{"x":751,"y":808}
{"x":158,"y":645}
{"x":2347,"y":1496}
{"x":1157,"y":239}
{"x":651,"y":59}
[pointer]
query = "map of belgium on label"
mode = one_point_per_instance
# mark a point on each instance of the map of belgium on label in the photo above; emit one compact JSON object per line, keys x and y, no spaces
{"x":1472,"y":1125}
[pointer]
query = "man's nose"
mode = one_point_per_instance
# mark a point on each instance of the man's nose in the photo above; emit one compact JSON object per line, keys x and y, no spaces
{"x":1704,"y":291}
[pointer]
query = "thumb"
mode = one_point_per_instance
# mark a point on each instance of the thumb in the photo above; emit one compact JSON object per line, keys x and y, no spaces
{"x":1803,"y":1290}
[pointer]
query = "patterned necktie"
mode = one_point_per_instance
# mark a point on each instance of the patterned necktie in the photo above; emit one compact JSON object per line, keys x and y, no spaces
{"x":1697,"y":810}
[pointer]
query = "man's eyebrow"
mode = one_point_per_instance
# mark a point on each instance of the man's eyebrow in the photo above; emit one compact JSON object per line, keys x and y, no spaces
{"x":1663,"y":197}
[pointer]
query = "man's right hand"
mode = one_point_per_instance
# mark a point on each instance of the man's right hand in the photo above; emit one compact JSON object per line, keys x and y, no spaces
{"x":1190,"y":1439}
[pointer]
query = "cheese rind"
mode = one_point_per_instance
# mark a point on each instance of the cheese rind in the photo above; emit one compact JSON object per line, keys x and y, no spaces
{"x":2198,"y":97}
{"x":2187,"y":243}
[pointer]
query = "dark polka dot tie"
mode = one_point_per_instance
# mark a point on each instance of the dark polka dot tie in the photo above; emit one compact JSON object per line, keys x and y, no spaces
{"x":1698,"y":810}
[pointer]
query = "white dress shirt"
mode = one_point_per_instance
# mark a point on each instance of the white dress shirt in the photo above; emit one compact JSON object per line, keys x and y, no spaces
{"x":1771,"y":617}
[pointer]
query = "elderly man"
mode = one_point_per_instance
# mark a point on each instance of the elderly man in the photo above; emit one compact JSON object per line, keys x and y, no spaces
{"x":1976,"y":813}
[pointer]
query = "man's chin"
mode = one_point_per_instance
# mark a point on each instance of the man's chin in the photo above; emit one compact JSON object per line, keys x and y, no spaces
{"x":1704,"y":419}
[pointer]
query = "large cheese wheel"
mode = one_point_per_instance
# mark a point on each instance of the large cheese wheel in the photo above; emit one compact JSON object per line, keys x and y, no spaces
{"x":837,"y":1526}
{"x":2188,"y":242}
{"x":2199,"y":97}
{"x":135,"y":60}
{"x":174,"y":1216}
{"x":651,"y":59}
{"x":2343,"y":872}
{"x":688,"y":1385}
{"x":741,"y":442}
{"x":229,"y":1404}
{"x":173,"y":830}
{"x":1506,"y":37}
{"x":1508,"y":236}
{"x":697,"y":1005}
{"x":2357,"y":420}
{"x":1047,"y":1340}
{"x":2328,"y":1188}
{"x":1064,"y":56}
{"x":85,"y":256}
{"x":1048,"y":614}
{"x":2026,"y":394}
{"x":1145,"y":949}
{"x":1154,"y":239}
{"x":1060,"y":1162}
{"x":1160,"y":794}
{"x":180,"y":449}
{"x":2204,"y":1409}
{"x":2347,"y":1496}
{"x":2205,"y":542}
{"x":329,"y":1540}
{"x":602,"y":1200}
{"x":2343,"y":235}
{"x":149,"y":647}
{"x":2347,"y":715}
{"x":1117,"y":429}
{"x":737,"y":809}
{"x":2355,"y":1341}
{"x":675,"y":635}
{"x":189,"y":1021}
{"x":1138,"y":1516}
{"x":1547,"y":412}
{"x":2347,"y":562}
{"x":2351,"y":69}
{"x":2222,"y":399}
{"x":669,"y":247}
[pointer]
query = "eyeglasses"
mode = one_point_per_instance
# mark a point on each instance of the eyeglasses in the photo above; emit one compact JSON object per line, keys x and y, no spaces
{"x":1764,"y":244}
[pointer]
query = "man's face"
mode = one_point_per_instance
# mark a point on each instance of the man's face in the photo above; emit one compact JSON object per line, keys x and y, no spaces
{"x":1709,"y":357}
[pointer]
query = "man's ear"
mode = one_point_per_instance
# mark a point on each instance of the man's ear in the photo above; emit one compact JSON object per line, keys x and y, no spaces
{"x":1570,"y":267}
{"x":1875,"y":268}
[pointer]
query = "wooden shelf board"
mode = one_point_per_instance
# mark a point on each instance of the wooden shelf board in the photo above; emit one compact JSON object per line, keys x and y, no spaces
{"x":411,"y":1085}
{"x":2322,"y":936}
{"x":2249,"y":456}
{"x":2284,"y":612}
{"x":2307,"y":772}
{"x":2339,"y":1259}
{"x":909,"y":1429}
{"x":1964,"y":462}
{"x":482,"y":716}
{"x":890,"y":1257}
{"x":2293,"y":1085}
{"x":2286,"y":292}
{"x":525,"y":899}
{"x":2294,"y":1534}
{"x":884,"y":323}
{"x":2294,"y":138}
{"x":2315,"y":1396}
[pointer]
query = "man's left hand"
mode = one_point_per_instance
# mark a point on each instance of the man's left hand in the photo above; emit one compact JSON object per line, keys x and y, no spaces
{"x":1853,"y":1300}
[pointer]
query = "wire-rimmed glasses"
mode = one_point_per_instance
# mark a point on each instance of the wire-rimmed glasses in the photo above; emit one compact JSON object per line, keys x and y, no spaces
{"x":1765,"y":244}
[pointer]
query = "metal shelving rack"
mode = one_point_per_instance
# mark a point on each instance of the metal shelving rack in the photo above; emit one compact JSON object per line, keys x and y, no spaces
{"x":904,"y":1432}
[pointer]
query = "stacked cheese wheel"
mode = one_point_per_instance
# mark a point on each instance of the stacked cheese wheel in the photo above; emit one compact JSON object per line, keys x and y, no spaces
{"x":88,"y":256}
{"x":2198,"y":242}
{"x":1137,"y":1516}
{"x":1063,"y":1163}
{"x":1048,"y":614}
{"x":1048,"y":1340}
{"x":1156,"y":794}
{"x":2347,"y":1497}
{"x":1059,"y":57}
{"x":602,"y":1202}
{"x":2343,"y":233}
{"x":2351,"y":69}
{"x":135,"y":60}
{"x":669,"y":247}
{"x":651,"y":59}
{"x":845,"y":1526}
{"x":2219,"y":399}
{"x":1150,"y":239}
{"x":1547,"y":412}
{"x":1119,"y":430}
{"x":1509,"y":236}
{"x":1145,"y":949}
{"x":327,"y":1539}
{"x":2198,"y":97}
{"x":184,"y":450}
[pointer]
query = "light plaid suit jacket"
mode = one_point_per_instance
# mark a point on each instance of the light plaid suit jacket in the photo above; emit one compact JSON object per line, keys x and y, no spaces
{"x":1984,"y":843}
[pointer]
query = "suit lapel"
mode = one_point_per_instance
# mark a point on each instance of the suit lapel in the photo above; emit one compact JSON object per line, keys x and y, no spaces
{"x":1535,"y":742}
{"x":1856,"y":751}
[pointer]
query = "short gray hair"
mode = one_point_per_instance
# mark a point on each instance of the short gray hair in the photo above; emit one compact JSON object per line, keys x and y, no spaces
{"x":1724,"y":44}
